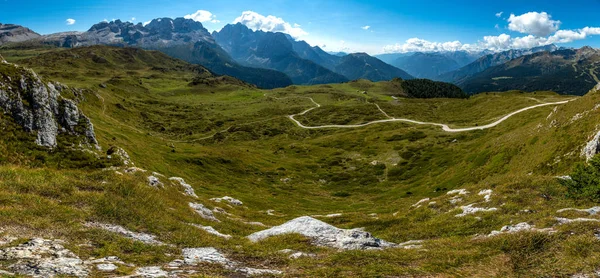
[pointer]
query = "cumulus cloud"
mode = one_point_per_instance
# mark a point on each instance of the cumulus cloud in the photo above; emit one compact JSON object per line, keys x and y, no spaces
{"x":132,"y":19}
{"x":499,"y":14}
{"x":256,"y":21}
{"x":70,"y":21}
{"x":533,"y":23}
{"x":540,"y":29}
{"x":366,"y":27}
{"x":202,"y":16}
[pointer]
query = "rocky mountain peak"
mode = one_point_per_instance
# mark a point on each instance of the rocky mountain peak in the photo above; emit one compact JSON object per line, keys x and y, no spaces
{"x":16,"y":33}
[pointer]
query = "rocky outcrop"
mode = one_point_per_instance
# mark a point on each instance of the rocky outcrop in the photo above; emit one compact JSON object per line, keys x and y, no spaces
{"x":204,"y":212}
{"x":323,"y":234}
{"x":194,"y":256}
{"x":592,"y":147}
{"x":521,"y":227}
{"x":211,"y":230}
{"x":230,"y":200}
{"x":470,"y":209}
{"x":39,"y":107}
{"x":43,"y":258}
{"x":188,"y":189}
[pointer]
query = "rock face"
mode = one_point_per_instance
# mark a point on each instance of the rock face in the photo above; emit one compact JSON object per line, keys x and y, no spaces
{"x":324,"y":234}
{"x":44,"y":258}
{"x":15,"y":33}
{"x":592,"y":147}
{"x":39,"y":107}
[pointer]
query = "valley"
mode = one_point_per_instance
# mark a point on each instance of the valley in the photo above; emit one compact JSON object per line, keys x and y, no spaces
{"x":228,"y":138}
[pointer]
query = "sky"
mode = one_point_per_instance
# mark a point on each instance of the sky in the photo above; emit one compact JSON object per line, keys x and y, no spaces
{"x":375,"y":27}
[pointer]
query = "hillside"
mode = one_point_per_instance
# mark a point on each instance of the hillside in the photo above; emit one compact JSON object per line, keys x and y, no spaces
{"x":569,"y":72}
{"x":204,"y":175}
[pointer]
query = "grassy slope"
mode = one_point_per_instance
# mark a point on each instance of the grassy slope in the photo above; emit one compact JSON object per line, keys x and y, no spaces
{"x":161,"y":121}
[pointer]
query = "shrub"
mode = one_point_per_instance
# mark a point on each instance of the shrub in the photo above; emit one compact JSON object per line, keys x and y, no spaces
{"x":585,"y":181}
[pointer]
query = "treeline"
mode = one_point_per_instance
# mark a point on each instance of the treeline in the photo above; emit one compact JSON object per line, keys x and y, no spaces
{"x":425,"y":88}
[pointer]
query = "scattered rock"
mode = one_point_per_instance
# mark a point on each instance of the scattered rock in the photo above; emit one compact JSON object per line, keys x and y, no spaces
{"x":419,"y":203}
{"x":286,"y":180}
{"x":145,"y":238}
{"x":154,"y":181}
{"x":521,"y":227}
{"x":132,"y":170}
{"x":487,"y":194}
{"x":193,"y":256}
{"x":188,"y":189}
{"x":151,"y":272}
{"x":228,"y":199}
{"x":43,"y":258}
{"x":563,"y":221}
{"x":323,"y":234}
{"x":590,"y":211}
{"x":120,"y":153}
{"x":458,"y":192}
{"x":221,"y":211}
{"x":471,"y":210}
{"x":455,"y":200}
{"x":211,"y":230}
{"x":106,"y":267}
{"x":296,"y":254}
{"x":203,"y":212}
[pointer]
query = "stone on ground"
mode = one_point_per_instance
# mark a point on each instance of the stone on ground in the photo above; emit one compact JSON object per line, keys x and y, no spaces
{"x":188,"y":189}
{"x":228,"y":199}
{"x":324,"y":234}
{"x":142,"y":237}
{"x":203,"y":212}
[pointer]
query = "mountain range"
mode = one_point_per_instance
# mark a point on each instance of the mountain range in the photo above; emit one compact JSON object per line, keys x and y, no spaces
{"x":16,"y":33}
{"x":565,"y":71}
{"x":305,"y":64}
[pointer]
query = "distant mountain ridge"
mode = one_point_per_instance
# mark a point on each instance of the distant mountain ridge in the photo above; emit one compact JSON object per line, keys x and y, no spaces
{"x":565,"y":71}
{"x":15,"y":33}
{"x":274,"y":51}
{"x":181,"y":38}
{"x":460,"y":75}
{"x":305,"y":64}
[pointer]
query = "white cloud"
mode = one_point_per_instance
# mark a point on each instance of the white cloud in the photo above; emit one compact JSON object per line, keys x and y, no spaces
{"x":256,"y":21}
{"x":366,"y":27}
{"x":533,"y":23}
{"x":416,"y":44}
{"x":133,"y":19}
{"x":70,"y":21}
{"x":499,"y":14}
{"x":296,"y":25}
{"x":202,"y":16}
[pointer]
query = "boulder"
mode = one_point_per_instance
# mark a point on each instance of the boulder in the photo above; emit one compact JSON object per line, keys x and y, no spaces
{"x":43,"y":258}
{"x":323,"y":234}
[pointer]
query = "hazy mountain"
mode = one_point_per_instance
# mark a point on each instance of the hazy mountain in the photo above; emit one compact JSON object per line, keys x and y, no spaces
{"x":275,"y":51}
{"x":566,"y":71}
{"x":15,"y":33}
{"x":339,"y":54}
{"x":426,"y":65}
{"x":362,"y":66}
{"x":488,"y":61}
{"x":391,"y":57}
{"x":181,"y":38}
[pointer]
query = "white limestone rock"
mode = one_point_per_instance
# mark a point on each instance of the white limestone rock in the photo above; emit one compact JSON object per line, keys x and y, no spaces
{"x":563,"y":221}
{"x":188,"y":189}
{"x":212,"y":231}
{"x":590,"y":211}
{"x":203,"y":212}
{"x":521,"y":227}
{"x":142,"y":237}
{"x":151,"y":272}
{"x":106,"y":267}
{"x":592,"y":147}
{"x":467,"y":210}
{"x":419,"y":203}
{"x":154,"y":181}
{"x":229,"y":200}
{"x":458,"y":192}
{"x":323,"y":234}
{"x":44,"y":258}
{"x":487,"y":194}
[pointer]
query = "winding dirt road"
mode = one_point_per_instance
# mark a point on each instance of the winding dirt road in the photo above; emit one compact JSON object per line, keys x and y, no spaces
{"x":391,"y":119}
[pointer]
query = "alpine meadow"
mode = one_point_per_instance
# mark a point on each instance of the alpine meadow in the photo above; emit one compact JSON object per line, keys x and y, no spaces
{"x":299,"y":139}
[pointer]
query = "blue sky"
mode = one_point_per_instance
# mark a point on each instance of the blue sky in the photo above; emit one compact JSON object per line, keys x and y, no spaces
{"x":336,"y":25}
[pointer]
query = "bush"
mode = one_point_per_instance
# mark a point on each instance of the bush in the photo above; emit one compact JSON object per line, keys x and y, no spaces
{"x":585,"y":181}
